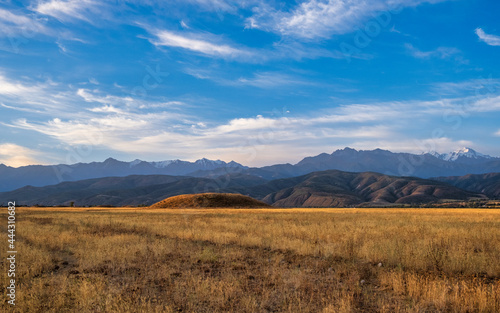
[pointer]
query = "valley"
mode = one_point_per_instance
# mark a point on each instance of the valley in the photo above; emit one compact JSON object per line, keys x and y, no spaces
{"x":256,"y":260}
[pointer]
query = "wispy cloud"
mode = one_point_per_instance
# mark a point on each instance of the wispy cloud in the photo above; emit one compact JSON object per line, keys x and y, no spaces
{"x":216,"y":5}
{"x":480,"y":86}
{"x":47,"y":98}
{"x":440,"y":53}
{"x":317,"y":19}
{"x":487,"y":104}
{"x":41,"y":96}
{"x":156,"y":130}
{"x":195,"y":43}
{"x":11,"y":88}
{"x":263,"y":80}
{"x":70,"y":10}
{"x":164,"y":133}
{"x":497,"y":133}
{"x":21,"y":25}
{"x":271,"y":80}
{"x":314,"y":18}
{"x":491,"y":40}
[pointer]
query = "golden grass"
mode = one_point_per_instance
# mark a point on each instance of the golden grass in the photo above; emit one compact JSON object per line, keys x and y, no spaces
{"x":209,"y":200}
{"x":255,"y":260}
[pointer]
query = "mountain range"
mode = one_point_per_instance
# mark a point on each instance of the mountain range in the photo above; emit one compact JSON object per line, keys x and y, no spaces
{"x":42,"y":175}
{"x":330,"y":188}
{"x":461,"y":162}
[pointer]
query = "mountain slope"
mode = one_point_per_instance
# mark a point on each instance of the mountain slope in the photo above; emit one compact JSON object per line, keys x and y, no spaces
{"x":488,"y":184}
{"x":340,"y":189}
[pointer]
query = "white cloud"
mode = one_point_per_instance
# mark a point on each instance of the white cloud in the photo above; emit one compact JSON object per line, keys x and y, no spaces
{"x":497,"y":133}
{"x":15,"y":155}
{"x":214,"y":46}
{"x":440,"y":53}
{"x":487,"y":104}
{"x":271,"y":80}
{"x":93,"y":81}
{"x":52,"y":99}
{"x":20,"y":25}
{"x":194,"y":43}
{"x":316,"y":19}
{"x":184,"y":25}
{"x":70,"y":10}
{"x":491,"y":40}
{"x":92,"y":96}
{"x":120,"y":124}
{"x":244,"y":139}
{"x":39,"y":97}
{"x":216,"y":5}
{"x":11,"y":88}
{"x":480,"y":86}
{"x":299,"y":51}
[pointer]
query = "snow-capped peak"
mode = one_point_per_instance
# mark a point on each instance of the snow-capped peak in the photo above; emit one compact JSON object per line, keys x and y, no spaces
{"x":205,"y":161}
{"x":135,"y":162}
{"x":464,"y":152}
{"x":163,"y":164}
{"x":435,"y":154}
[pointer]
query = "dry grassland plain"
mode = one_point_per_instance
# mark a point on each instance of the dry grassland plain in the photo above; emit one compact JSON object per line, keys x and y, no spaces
{"x":268,"y":260}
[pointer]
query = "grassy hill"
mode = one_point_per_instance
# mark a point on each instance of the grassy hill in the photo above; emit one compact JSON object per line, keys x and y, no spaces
{"x":210,"y":200}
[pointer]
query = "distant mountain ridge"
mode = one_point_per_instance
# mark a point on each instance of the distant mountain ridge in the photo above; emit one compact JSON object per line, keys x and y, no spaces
{"x":461,"y":162}
{"x":331,"y":188}
{"x":40,"y":175}
{"x":386,"y":162}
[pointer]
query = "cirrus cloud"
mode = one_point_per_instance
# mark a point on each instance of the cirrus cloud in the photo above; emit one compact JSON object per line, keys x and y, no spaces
{"x":491,"y":40}
{"x":320,"y":19}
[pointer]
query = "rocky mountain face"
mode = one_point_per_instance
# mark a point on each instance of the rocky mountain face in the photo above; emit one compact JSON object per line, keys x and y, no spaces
{"x":343,"y":189}
{"x":466,"y":153}
{"x":488,"y":184}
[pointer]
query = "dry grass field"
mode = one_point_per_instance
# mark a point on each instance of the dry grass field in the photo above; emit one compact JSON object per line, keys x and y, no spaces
{"x":267,"y":260}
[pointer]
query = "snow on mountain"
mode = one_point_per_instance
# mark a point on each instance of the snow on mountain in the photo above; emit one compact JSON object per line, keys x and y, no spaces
{"x":464,"y":152}
{"x":134,"y":162}
{"x":208,"y":163}
{"x":201,"y":163}
{"x":163,"y":164}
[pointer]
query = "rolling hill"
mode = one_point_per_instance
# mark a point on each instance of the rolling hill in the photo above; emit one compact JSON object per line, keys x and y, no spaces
{"x":209,"y":200}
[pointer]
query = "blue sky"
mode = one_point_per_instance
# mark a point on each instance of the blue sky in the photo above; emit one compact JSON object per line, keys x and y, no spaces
{"x":255,"y":81}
